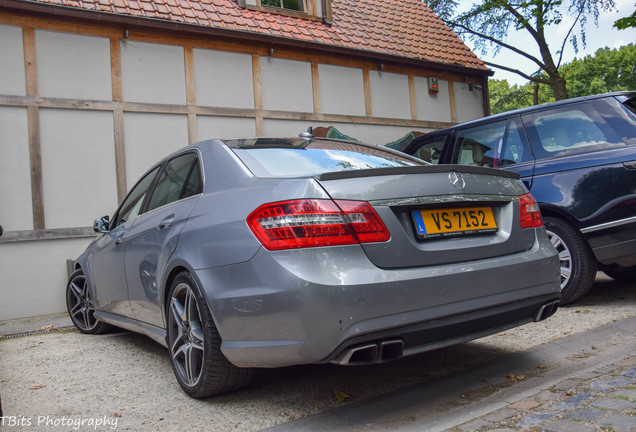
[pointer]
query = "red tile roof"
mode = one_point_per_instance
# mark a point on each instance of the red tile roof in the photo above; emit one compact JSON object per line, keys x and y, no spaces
{"x":404,"y":28}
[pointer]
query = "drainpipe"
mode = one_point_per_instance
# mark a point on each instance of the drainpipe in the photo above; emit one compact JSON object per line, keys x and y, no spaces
{"x":324,"y":13}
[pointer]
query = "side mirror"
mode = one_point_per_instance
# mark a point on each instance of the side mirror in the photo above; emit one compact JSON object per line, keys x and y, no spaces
{"x":101,"y":225}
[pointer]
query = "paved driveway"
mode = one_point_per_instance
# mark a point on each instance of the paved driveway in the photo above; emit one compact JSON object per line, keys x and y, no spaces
{"x":123,"y":381}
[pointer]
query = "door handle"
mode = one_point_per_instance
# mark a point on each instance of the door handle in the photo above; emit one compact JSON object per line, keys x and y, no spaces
{"x":166,"y":223}
{"x":120,"y":240}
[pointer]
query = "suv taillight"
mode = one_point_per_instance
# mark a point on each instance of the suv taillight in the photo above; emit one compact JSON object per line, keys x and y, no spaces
{"x":530,"y":215}
{"x":316,"y":222}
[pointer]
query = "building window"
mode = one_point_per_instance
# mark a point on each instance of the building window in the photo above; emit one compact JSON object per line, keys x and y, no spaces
{"x":297,"y":5}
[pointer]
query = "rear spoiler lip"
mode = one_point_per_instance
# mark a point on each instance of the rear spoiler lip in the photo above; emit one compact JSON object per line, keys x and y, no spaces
{"x":422,"y":169}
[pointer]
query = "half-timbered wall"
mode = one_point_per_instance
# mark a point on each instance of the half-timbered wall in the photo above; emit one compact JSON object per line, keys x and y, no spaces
{"x":85,"y":110}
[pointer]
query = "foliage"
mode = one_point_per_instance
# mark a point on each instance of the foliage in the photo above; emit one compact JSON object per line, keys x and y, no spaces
{"x":626,"y":22}
{"x":488,"y":22}
{"x":605,"y":71}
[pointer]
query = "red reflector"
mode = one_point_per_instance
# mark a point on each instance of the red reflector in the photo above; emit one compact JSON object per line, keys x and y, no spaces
{"x":313,"y":222}
{"x":530,"y":215}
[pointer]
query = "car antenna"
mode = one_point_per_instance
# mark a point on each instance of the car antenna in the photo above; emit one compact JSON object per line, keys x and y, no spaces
{"x":308,"y":135}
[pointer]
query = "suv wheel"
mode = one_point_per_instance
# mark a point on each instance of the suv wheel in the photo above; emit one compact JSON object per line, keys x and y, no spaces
{"x":578,"y":266}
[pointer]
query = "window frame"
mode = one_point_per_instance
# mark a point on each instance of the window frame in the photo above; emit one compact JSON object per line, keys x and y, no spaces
{"x":159,"y":168}
{"x":497,"y":150}
{"x":588,"y":110}
{"x":310,"y":12}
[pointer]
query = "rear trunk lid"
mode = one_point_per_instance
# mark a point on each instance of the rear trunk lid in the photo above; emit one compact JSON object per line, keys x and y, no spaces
{"x":438,"y":214}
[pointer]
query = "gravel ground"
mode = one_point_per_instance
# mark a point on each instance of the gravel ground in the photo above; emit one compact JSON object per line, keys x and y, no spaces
{"x":56,"y":381}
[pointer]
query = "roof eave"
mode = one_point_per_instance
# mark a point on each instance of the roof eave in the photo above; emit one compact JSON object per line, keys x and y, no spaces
{"x":128,"y":22}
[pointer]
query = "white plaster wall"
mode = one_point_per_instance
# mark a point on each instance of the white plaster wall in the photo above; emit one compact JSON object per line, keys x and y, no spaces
{"x":149,"y":138}
{"x":372,"y":134}
{"x":223,"y":79}
{"x":287,"y":85}
{"x":225,"y":127}
{"x":16,"y":210}
{"x":469,"y":105}
{"x":27,"y":293}
{"x":152,"y":73}
{"x":390,"y":95}
{"x":341,"y":90}
{"x":12,"y":64}
{"x":432,"y":107}
{"x":78,"y":166}
{"x":73,"y":66}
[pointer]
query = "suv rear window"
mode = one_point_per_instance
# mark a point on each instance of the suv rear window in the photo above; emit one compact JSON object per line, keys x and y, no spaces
{"x":298,"y":158}
{"x":568,"y":130}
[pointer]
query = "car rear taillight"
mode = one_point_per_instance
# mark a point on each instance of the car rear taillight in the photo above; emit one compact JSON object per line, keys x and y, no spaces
{"x":530,"y":215}
{"x":316,"y":222}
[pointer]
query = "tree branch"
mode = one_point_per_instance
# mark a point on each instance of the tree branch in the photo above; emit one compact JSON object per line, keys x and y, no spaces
{"x":498,"y":42}
{"x":567,"y":36}
{"x":518,"y":72}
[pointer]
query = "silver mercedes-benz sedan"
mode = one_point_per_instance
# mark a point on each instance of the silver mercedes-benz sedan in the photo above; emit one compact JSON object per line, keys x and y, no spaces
{"x":266,"y":252}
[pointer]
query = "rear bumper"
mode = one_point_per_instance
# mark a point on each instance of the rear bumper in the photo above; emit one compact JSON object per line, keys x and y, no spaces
{"x":312,"y":305}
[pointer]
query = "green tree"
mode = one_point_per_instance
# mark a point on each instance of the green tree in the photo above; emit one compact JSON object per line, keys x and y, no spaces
{"x":607,"y":70}
{"x":504,"y":97}
{"x":488,"y":23}
{"x":626,"y":22}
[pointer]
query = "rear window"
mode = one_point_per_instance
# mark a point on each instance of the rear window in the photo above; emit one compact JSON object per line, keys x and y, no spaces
{"x":298,"y":158}
{"x":569,"y":130}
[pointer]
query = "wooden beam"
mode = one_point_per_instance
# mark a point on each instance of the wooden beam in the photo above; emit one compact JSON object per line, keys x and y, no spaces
{"x":44,"y":234}
{"x":115,"y":68}
{"x":30,"y":61}
{"x":258,"y":94}
{"x":120,"y":152}
{"x":366,"y":80}
{"x":188,"y":56}
{"x":451,"y":95}
{"x":412,"y":97}
{"x":33,"y":125}
{"x":315,"y":84}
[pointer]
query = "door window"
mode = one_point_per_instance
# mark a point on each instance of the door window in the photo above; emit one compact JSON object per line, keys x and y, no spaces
{"x":132,"y":205}
{"x":431,"y":150}
{"x":174,"y":183}
{"x":493,"y":144}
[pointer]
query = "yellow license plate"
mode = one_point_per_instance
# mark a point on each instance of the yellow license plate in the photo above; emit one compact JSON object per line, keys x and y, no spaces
{"x":454,"y":221}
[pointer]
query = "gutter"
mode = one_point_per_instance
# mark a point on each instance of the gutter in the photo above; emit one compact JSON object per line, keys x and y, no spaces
{"x":127,"y":22}
{"x":324,"y":14}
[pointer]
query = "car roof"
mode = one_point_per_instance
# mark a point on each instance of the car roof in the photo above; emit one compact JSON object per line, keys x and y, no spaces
{"x":532,"y":108}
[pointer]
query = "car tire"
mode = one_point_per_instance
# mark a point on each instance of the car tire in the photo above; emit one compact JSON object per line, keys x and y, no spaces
{"x":195,"y":344}
{"x":578,"y":265}
{"x":79,"y":303}
{"x":627,"y":274}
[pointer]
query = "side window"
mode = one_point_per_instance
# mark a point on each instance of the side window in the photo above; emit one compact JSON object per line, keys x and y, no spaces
{"x":431,"y":150}
{"x":568,"y":130}
{"x":493,"y":144}
{"x":514,"y":148}
{"x":298,"y":5}
{"x":173,"y":180}
{"x":131,"y":207}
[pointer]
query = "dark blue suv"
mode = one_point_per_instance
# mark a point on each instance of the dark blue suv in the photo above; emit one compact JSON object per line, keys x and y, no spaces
{"x":578,"y":158}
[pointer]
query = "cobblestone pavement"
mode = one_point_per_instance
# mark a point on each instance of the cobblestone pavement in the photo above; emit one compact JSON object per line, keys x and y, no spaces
{"x":599,"y":400}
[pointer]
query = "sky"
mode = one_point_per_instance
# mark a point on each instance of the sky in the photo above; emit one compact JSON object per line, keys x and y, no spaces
{"x":603,"y":36}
